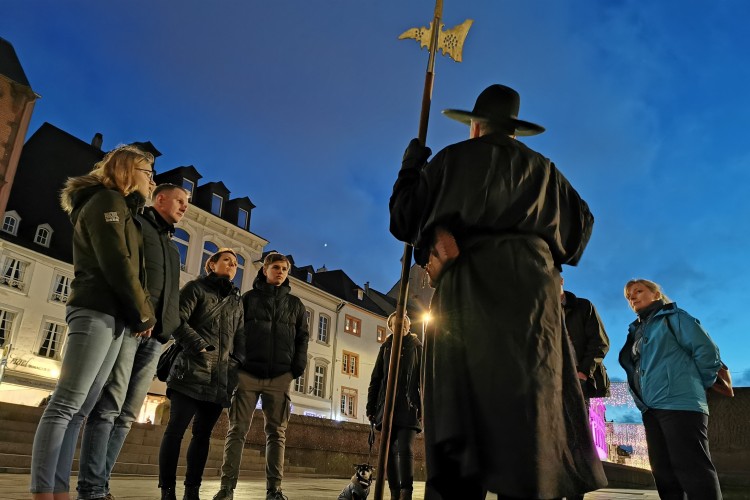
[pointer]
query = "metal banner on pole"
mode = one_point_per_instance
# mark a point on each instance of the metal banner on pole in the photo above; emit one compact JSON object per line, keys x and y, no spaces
{"x":450,"y":42}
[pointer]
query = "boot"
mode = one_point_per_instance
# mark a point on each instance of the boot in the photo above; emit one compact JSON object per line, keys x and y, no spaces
{"x":395,"y":494}
{"x":191,"y":493}
{"x":405,"y":495}
{"x":168,"y":494}
{"x":225,"y":493}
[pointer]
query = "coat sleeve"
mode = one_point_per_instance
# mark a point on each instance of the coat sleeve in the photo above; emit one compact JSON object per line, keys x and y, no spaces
{"x":301,"y":339}
{"x":410,"y":199}
{"x":185,"y":335}
{"x":695,"y":340}
{"x":597,"y":342}
{"x":376,"y":379}
{"x":105,"y":217}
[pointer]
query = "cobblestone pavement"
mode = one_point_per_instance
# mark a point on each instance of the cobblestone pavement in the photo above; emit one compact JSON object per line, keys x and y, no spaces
{"x":296,"y":487}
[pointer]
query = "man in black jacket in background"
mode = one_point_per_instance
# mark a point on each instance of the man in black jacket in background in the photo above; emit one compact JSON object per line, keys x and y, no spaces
{"x":272,"y":351}
{"x":120,"y":402}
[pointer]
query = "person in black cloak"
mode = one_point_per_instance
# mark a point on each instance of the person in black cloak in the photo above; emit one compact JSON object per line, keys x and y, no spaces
{"x":493,"y":221}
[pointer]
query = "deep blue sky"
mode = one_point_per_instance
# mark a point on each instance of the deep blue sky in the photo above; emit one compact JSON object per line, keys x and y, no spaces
{"x":306,"y":107}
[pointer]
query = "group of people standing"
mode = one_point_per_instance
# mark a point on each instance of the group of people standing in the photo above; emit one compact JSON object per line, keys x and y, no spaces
{"x":125,"y":304}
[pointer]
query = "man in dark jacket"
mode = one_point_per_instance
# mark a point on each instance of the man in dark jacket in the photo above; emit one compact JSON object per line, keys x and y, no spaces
{"x":494,"y":221}
{"x":590,"y":344}
{"x":120,"y":402}
{"x":272,"y":351}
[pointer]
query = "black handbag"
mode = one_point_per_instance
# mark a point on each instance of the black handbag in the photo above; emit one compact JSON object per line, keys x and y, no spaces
{"x":169,"y":355}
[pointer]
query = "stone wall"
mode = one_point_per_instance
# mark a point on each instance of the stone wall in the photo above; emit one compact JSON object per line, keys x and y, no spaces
{"x":729,"y":438}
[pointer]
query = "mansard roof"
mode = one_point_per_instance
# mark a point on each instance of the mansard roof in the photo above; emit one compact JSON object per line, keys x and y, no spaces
{"x":10,"y":66}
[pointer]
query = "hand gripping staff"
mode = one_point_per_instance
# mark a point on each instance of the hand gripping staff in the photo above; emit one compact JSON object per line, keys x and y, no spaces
{"x":451,"y":43}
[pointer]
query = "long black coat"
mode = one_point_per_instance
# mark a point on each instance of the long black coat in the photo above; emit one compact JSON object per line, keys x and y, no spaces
{"x":207,"y":376}
{"x":274,"y":338}
{"x":407,"y":412}
{"x":502,"y":401}
{"x":590,"y":344}
{"x":162,"y":272}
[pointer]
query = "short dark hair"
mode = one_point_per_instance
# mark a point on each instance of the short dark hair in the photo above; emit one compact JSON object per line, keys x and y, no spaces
{"x":275,"y":257}
{"x":161,"y":188}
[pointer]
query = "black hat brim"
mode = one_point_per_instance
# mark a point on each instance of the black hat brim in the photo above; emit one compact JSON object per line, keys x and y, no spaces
{"x":522,"y":127}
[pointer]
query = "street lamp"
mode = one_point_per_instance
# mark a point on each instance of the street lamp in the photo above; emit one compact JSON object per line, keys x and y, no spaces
{"x":426,"y":318}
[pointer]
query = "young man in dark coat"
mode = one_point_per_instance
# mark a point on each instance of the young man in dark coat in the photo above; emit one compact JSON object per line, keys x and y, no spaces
{"x":494,"y":221}
{"x":590,"y":344}
{"x":272,"y":351}
{"x":120,"y":402}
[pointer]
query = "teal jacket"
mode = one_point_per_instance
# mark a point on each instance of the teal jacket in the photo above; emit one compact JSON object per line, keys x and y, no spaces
{"x":679,"y":361}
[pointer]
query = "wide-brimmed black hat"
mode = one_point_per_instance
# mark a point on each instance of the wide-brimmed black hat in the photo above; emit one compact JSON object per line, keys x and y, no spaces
{"x":498,"y":105}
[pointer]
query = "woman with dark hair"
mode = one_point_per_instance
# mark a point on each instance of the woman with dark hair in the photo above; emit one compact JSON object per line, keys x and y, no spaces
{"x":670,"y":362}
{"x":202,"y":379}
{"x":407,"y":410}
{"x":108,"y":299}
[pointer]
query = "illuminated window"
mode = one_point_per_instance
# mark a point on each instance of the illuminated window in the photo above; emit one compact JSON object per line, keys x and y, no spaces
{"x":381,"y":334}
{"x":6,"y":325}
{"x":319,"y":385}
{"x":350,"y":363}
{"x":352,"y":325}
{"x":51,"y":339}
{"x":61,"y":288}
{"x":349,"y":402}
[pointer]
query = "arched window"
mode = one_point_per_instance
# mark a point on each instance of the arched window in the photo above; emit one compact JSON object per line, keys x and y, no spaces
{"x":11,"y":222}
{"x":240,"y":271}
{"x":209,"y":248}
{"x":181,"y":238}
{"x":43,"y":235}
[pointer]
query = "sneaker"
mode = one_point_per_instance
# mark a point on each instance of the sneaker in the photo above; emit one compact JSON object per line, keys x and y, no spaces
{"x":224,"y":494}
{"x":275,"y":495}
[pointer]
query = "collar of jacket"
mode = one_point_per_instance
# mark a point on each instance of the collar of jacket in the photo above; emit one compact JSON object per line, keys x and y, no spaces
{"x":260,"y":284}
{"x":135,"y":201}
{"x":665,"y":310}
{"x":156,"y":220}
{"x":570,"y":299}
{"x":220,"y":283}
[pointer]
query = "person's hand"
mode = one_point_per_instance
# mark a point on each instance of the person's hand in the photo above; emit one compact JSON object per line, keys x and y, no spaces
{"x":144,"y":334}
{"x":415,"y":155}
{"x":371,"y":418}
{"x":582,"y":376}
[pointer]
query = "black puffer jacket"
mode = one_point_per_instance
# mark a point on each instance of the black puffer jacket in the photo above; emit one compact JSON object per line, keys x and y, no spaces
{"x":274,"y":340}
{"x":162,"y":272}
{"x":110,"y":276}
{"x":407,"y":411}
{"x":207,"y":376}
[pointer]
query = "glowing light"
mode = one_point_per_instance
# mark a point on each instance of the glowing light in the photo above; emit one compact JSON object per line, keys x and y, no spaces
{"x":426,"y":317}
{"x":54,"y":372}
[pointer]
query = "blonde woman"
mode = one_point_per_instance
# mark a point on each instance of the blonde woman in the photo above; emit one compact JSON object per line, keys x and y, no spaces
{"x":107,"y":300}
{"x":670,"y":361}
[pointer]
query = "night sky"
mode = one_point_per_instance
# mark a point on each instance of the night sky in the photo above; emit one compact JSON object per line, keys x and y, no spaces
{"x":306,"y":107}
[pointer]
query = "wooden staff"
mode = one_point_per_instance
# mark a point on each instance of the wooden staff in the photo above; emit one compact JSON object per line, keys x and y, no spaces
{"x":451,"y":44}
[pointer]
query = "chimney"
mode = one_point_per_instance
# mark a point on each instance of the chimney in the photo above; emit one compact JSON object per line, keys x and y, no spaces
{"x":97,"y":141}
{"x":367,"y":288}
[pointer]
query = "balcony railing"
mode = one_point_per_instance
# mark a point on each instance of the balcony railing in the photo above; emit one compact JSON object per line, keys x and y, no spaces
{"x":12,"y":283}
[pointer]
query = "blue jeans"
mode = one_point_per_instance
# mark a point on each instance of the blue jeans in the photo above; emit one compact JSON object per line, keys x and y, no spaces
{"x":119,"y":405}
{"x":93,"y":343}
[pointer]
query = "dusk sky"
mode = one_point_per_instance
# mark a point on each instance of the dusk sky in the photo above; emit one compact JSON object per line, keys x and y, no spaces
{"x":306,"y":108}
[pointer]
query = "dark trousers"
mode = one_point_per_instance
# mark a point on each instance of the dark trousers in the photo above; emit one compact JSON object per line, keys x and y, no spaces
{"x":183,"y":409}
{"x":401,"y":459}
{"x":678,"y":452}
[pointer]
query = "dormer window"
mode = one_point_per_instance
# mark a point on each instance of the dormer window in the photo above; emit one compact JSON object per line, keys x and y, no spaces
{"x":360,"y":294}
{"x":189,"y":187}
{"x":43,"y":235}
{"x":216,"y":202}
{"x":309,"y":277}
{"x":242,"y":218}
{"x":11,"y":221}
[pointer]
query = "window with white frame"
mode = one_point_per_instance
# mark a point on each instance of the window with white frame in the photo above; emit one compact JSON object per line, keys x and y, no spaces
{"x":309,"y":314}
{"x":349,"y":402}
{"x":209,"y":248}
{"x":189,"y":187}
{"x":61,"y":288}
{"x":350,"y":363}
{"x":53,"y":335}
{"x":240,"y":271}
{"x":6,"y":325}
{"x":319,"y":384}
{"x":324,"y":324}
{"x":181,"y":238}
{"x":216,"y":202}
{"x":43,"y":235}
{"x":14,"y":273}
{"x":242,"y":218}
{"x":300,"y":384}
{"x":11,"y":221}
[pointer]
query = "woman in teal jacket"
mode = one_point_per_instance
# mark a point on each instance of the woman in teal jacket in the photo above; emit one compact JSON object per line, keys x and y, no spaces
{"x":670,"y":362}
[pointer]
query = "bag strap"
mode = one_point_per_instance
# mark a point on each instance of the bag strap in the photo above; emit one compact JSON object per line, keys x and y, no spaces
{"x":212,"y":313}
